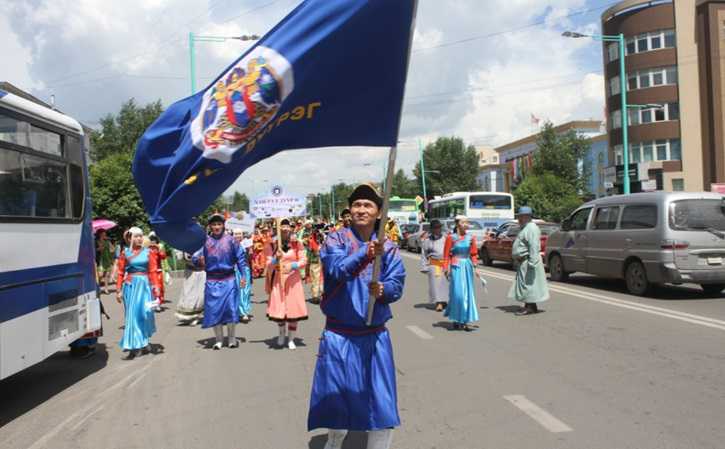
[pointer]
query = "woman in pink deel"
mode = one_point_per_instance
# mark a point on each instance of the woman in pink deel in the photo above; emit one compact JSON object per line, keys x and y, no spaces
{"x":286,"y":304}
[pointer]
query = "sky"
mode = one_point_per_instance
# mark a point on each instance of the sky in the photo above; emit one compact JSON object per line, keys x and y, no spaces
{"x":479,"y":69}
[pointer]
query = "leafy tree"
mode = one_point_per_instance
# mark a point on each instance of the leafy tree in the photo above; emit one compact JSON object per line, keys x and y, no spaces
{"x":551,"y":196}
{"x":560,"y":154}
{"x":120,"y":133}
{"x":454,"y":166}
{"x":239,"y":201}
{"x":404,"y":187}
{"x":114,"y":192}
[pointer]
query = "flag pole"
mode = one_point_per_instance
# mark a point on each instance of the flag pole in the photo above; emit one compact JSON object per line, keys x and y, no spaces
{"x":381,"y":227}
{"x":389,"y":181}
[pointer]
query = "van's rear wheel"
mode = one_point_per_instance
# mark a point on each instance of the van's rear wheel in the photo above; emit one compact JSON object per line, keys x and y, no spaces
{"x":556,"y":269}
{"x":636,"y":278}
{"x":713,"y":289}
{"x":485,"y":258}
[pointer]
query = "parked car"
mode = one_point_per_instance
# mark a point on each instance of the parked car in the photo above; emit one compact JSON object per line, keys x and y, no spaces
{"x":474,"y":228}
{"x":414,"y":238}
{"x":646,"y":239}
{"x":406,"y":230}
{"x":497,"y":245}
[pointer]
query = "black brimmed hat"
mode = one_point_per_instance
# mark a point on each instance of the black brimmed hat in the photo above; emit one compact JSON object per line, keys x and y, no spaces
{"x":366,"y":191}
{"x":216,"y":218}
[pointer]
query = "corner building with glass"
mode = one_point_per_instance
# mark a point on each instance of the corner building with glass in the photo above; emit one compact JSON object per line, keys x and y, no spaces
{"x":675,"y":128}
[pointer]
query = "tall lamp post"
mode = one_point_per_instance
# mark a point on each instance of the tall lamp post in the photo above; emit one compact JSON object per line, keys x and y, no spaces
{"x":619,"y":38}
{"x":192,"y":53}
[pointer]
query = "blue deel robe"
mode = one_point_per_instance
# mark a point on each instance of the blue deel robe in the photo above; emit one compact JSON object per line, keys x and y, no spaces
{"x":462,"y":306}
{"x":245,"y":294}
{"x":222,"y":255}
{"x":140,"y":323}
{"x":354,"y":384}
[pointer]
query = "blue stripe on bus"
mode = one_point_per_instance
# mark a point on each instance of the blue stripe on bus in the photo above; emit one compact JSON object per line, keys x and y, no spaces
{"x":2,"y":93}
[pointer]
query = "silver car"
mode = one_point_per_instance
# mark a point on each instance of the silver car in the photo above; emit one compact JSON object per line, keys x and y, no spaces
{"x":646,"y":239}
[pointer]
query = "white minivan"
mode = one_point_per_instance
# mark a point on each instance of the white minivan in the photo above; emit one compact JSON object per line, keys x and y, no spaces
{"x":646,"y":239}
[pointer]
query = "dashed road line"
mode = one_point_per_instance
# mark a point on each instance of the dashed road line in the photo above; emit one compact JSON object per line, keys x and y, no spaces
{"x":538,"y":414}
{"x":646,"y":308}
{"x":420,"y":332}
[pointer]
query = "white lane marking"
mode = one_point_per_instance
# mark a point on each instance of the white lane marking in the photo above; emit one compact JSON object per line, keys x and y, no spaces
{"x":653,"y":310}
{"x":420,"y":332}
{"x":85,"y":418}
{"x":538,"y":414}
{"x":137,"y":380}
{"x":45,"y":439}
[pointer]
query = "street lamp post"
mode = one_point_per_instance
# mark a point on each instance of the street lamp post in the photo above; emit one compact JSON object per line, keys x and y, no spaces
{"x":619,"y":38}
{"x":422,"y":175}
{"x":192,"y":53}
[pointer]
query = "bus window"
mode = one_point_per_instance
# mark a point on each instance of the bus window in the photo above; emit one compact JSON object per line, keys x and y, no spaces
{"x":22,"y":133}
{"x":490,"y":202}
{"x":32,"y":186}
{"x":77,"y":192}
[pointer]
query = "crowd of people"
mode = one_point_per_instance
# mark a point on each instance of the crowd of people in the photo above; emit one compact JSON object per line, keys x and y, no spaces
{"x":354,"y":384}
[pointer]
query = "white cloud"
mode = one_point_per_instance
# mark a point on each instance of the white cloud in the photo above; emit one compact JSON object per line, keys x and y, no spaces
{"x":490,"y":72}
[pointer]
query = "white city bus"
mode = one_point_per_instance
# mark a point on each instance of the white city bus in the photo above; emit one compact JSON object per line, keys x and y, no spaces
{"x":47,"y":281}
{"x":403,"y":210}
{"x":490,"y":209}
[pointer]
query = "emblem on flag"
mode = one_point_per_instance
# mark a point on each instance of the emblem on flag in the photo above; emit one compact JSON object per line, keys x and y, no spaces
{"x":242,"y":102}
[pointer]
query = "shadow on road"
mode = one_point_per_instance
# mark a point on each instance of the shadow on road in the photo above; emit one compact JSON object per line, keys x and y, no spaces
{"x":665,"y":293}
{"x":207,"y":343}
{"x":508,"y":309}
{"x":354,"y":440}
{"x":272,"y":343}
{"x":28,"y":389}
{"x":424,"y":305}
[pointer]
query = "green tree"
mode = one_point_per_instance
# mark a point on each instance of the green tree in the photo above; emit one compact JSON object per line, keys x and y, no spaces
{"x":551,"y":197}
{"x":114,"y":192}
{"x":561,"y":154}
{"x":555,"y":185}
{"x":403,"y":186}
{"x":454,"y":166}
{"x":239,"y":201}
{"x":120,"y":133}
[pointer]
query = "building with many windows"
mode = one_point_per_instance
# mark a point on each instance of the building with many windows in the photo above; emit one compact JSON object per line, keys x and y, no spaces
{"x":517,"y":157}
{"x":674,"y":83}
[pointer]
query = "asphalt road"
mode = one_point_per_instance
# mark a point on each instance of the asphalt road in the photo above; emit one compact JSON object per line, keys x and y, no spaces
{"x":597,"y":369}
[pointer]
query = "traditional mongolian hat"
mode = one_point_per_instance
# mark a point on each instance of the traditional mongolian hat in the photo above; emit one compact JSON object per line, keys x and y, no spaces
{"x":366,"y":191}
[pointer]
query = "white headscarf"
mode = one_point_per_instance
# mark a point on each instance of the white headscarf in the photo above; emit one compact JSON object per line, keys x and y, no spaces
{"x":135,"y":231}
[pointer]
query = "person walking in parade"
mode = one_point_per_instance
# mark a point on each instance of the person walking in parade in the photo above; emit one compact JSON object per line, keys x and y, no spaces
{"x":286,"y":304}
{"x":220,"y":256}
{"x":190,"y":308}
{"x":530,"y":287}
{"x":433,"y":264}
{"x":346,"y":216}
{"x":245,"y":299}
{"x":104,"y":259}
{"x":136,"y":287}
{"x":313,"y":241}
{"x":354,"y":384}
{"x":460,"y":259}
{"x":159,"y":254}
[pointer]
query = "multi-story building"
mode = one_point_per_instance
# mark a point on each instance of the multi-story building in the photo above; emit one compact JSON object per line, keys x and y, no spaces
{"x":675,"y":82}
{"x":492,"y":174}
{"x":516,"y":158}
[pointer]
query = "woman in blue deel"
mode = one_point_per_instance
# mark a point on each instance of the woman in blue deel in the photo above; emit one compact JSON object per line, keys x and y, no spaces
{"x":461,"y":257}
{"x":137,"y":287}
{"x":354,"y":384}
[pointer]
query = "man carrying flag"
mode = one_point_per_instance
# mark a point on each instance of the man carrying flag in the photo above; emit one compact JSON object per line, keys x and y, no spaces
{"x":354,"y":384}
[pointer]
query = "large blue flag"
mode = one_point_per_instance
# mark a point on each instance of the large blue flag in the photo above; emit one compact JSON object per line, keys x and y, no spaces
{"x":332,"y":73}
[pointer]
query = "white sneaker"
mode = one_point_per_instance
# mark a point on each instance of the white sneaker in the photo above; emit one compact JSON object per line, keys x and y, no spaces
{"x":217,"y":346}
{"x":233,"y":343}
{"x":245,"y":319}
{"x":291,"y":344}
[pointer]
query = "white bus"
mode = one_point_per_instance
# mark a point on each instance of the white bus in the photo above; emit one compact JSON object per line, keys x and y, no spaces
{"x":47,"y":278}
{"x":490,"y":209}
{"x":403,"y":210}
